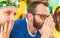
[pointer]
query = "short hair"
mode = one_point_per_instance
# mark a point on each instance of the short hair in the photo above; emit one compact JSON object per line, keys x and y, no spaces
{"x":34,"y":4}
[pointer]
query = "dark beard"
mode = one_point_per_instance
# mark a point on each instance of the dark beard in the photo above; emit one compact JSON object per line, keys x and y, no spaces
{"x":36,"y":25}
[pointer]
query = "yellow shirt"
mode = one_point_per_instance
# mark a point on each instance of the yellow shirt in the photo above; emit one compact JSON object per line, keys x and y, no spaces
{"x":56,"y":33}
{"x":21,"y":10}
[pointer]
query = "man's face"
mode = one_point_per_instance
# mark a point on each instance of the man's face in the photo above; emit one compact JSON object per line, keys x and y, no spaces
{"x":7,"y":14}
{"x":40,"y":15}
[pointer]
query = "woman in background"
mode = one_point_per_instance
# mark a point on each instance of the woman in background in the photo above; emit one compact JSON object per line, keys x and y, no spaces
{"x":57,"y":22}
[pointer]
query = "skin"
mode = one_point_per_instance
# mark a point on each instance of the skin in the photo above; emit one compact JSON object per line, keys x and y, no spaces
{"x":58,"y":23}
{"x":45,"y":26}
{"x":6,"y":20}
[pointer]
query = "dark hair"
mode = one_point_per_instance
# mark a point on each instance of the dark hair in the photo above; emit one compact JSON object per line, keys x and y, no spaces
{"x":56,"y":14}
{"x":34,"y":4}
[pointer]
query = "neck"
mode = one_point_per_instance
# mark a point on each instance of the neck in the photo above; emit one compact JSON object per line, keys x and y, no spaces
{"x":32,"y":28}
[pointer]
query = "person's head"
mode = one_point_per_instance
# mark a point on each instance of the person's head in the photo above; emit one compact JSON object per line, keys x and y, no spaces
{"x":57,"y":18}
{"x":30,"y":1}
{"x":37,"y":13}
{"x":7,"y":13}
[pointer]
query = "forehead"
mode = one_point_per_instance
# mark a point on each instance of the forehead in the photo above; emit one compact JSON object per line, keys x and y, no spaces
{"x":42,"y":9}
{"x":8,"y":8}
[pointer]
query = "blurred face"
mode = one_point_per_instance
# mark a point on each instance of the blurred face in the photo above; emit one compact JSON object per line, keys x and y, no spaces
{"x":58,"y":21}
{"x":7,"y":14}
{"x":40,"y":15}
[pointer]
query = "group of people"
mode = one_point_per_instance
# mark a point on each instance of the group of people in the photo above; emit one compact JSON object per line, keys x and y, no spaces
{"x":39,"y":23}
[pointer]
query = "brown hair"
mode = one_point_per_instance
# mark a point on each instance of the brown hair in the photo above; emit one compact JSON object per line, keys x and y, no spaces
{"x":34,"y":4}
{"x":56,"y":14}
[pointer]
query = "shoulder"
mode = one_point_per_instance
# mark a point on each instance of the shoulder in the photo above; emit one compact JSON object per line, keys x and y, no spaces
{"x":20,"y":22}
{"x":20,"y":25}
{"x":19,"y":28}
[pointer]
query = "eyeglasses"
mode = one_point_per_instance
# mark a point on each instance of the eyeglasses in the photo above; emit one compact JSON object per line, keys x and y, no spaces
{"x":42,"y":16}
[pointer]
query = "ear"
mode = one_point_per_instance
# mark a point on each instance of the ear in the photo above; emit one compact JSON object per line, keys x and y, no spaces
{"x":30,"y":17}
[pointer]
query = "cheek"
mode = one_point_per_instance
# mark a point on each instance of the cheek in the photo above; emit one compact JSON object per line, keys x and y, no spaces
{"x":3,"y":18}
{"x":58,"y":19}
{"x":39,"y":20}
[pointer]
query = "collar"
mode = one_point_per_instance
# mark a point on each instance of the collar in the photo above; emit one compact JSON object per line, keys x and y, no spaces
{"x":29,"y":30}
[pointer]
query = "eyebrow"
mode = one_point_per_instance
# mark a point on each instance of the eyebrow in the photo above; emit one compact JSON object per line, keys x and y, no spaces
{"x":8,"y":11}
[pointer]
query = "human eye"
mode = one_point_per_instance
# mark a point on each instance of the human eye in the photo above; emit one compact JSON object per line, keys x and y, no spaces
{"x":7,"y":12}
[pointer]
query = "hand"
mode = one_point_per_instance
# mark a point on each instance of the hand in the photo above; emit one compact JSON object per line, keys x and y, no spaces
{"x":47,"y":28}
{"x":6,"y":29}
